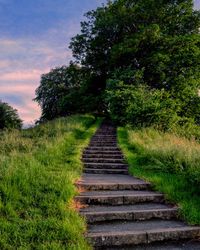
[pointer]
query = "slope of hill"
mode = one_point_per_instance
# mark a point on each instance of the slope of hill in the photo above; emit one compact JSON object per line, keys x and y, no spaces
{"x":38,"y":167}
{"x":170,"y":162}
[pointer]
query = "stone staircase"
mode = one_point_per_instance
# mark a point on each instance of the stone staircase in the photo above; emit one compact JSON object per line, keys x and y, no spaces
{"x":122,"y":211}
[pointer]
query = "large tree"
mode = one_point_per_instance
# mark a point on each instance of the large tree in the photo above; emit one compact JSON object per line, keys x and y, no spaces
{"x":67,"y":90}
{"x":159,"y":38}
{"x":151,"y":43}
{"x":125,"y":32}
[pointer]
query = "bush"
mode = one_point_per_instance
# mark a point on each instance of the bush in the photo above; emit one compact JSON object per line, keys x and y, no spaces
{"x":9,"y":117}
{"x":140,"y":105}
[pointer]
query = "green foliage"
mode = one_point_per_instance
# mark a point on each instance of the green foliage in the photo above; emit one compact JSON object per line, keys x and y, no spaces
{"x":140,"y":105}
{"x":170,"y":162}
{"x":65,"y":91}
{"x":56,"y":86}
{"x":9,"y":117}
{"x":150,"y":47}
{"x":157,"y":41}
{"x":38,"y":168}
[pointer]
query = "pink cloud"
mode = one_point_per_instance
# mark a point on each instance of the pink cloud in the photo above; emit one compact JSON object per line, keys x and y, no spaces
{"x":22,"y":75}
{"x":24,"y":60}
{"x":4,"y":63}
{"x":19,"y":88}
{"x":29,"y":112}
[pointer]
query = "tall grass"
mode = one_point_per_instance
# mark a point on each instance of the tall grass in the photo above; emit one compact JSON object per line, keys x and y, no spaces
{"x":38,"y":168}
{"x":169,"y":161}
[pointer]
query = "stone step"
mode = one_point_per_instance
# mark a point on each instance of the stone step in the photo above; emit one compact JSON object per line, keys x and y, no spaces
{"x":119,"y":197}
{"x":106,"y":133}
{"x":108,"y":156}
{"x":187,"y":244}
{"x":143,"y":232}
{"x":103,"y":144}
{"x":129,"y":212}
{"x":105,"y":166}
{"x":102,"y":137}
{"x":111,"y":182}
{"x":105,"y":171}
{"x":104,"y":160}
{"x":104,"y":152}
{"x":103,"y":148}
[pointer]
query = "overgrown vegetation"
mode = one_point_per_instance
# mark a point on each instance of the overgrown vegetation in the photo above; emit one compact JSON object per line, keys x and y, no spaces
{"x":170,"y":162}
{"x":9,"y":117}
{"x":38,"y":167}
{"x":137,"y":60}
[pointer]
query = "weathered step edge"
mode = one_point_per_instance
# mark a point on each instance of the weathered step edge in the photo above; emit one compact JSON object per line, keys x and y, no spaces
{"x":105,"y":171}
{"x":165,"y":214}
{"x":102,"y":160}
{"x":126,"y":238}
{"x":120,"y":200}
{"x":114,"y":186}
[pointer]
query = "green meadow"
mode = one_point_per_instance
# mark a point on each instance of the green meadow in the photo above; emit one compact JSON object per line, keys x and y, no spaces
{"x":170,"y":162}
{"x":38,"y":168}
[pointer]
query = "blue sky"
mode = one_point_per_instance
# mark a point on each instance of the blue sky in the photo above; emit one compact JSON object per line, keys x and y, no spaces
{"x":34,"y":37}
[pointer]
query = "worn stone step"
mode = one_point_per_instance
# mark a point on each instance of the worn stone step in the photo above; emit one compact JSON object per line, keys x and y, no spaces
{"x":114,"y":166}
{"x":105,"y":171}
{"x":106,"y":132}
{"x":102,"y":137}
{"x":143,"y":232}
{"x":105,"y":165}
{"x":103,"y":148}
{"x":103,"y":152}
{"x":103,"y":144}
{"x":97,"y":155}
{"x":111,"y":182}
{"x":119,"y":197}
{"x":106,"y":160}
{"x":129,"y":212}
{"x":187,"y":244}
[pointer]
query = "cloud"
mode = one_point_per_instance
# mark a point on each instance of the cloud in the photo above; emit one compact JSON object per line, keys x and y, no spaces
{"x":34,"y":38}
{"x":4,"y":64}
{"x":18,"y":88}
{"x":23,"y":61}
{"x":21,"y":75}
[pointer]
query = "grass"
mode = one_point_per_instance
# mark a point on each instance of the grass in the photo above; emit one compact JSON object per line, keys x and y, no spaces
{"x":170,"y":162}
{"x":38,"y":168}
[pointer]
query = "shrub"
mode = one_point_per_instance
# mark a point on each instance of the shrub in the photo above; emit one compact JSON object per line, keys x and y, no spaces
{"x":140,"y":105}
{"x":9,"y":117}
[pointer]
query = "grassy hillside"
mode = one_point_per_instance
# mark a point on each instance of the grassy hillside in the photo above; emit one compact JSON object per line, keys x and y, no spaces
{"x":169,"y":161}
{"x":38,"y":167}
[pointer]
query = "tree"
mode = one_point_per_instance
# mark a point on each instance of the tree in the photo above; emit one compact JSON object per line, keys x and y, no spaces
{"x":159,"y":38}
{"x":53,"y":89}
{"x":67,"y":90}
{"x":147,"y":44}
{"x":9,"y":117}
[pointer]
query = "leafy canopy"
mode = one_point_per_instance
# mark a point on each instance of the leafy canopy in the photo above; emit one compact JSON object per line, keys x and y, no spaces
{"x":145,"y":44}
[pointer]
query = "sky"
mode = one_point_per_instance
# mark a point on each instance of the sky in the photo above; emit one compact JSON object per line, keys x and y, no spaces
{"x":34,"y":37}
